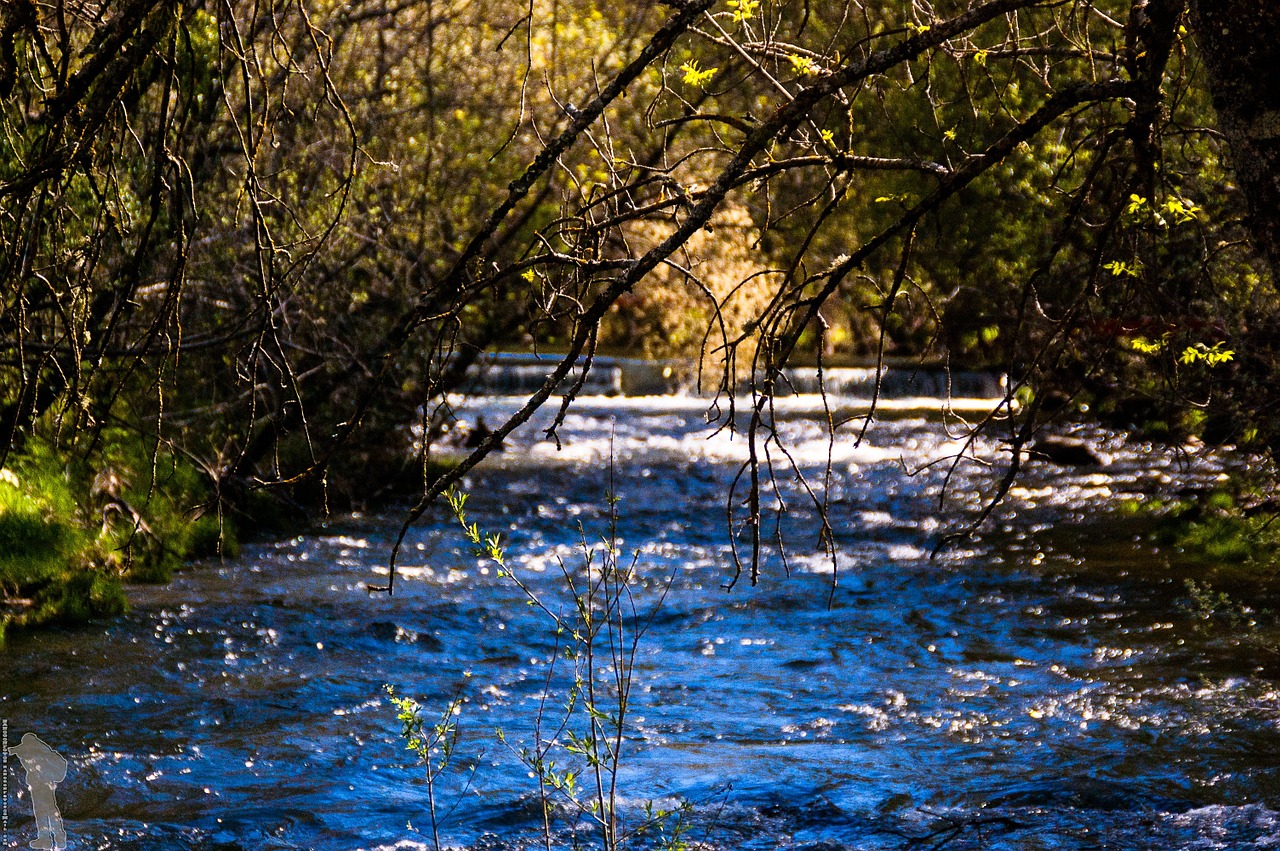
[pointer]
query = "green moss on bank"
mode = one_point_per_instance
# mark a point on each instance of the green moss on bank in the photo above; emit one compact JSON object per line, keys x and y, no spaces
{"x":47,"y":570}
{"x":77,"y":522}
{"x":1237,"y":533}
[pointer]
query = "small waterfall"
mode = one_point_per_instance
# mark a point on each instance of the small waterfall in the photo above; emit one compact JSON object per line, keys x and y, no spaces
{"x":508,"y":374}
{"x":853,"y":382}
{"x":515,"y":379}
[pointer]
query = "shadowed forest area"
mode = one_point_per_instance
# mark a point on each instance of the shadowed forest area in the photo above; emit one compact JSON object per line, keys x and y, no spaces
{"x":249,"y":249}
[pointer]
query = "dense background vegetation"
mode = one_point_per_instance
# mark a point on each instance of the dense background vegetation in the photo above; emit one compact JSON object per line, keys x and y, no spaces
{"x":248,"y":246}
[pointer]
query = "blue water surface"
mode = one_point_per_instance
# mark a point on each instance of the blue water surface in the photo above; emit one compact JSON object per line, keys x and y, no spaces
{"x":1042,"y":686}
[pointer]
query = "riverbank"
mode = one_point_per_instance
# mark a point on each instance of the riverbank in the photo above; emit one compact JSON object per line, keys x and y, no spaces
{"x":79,"y":521}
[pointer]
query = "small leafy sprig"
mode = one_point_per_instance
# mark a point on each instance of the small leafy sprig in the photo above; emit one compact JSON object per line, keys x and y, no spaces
{"x":696,"y":76}
{"x":433,"y":741}
{"x":744,"y":10}
{"x":1210,"y":356}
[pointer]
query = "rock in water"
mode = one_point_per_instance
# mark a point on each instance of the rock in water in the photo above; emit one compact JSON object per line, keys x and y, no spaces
{"x":393,"y":632}
{"x":384,"y":630}
{"x":479,"y":434}
{"x":1066,"y":452}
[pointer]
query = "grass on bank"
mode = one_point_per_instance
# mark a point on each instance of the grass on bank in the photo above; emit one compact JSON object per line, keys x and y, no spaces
{"x":1238,"y":532}
{"x":79,"y":518}
{"x":75,"y":525}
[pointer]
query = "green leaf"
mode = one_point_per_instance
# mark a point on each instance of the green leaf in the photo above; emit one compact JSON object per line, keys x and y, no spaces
{"x":695,"y":76}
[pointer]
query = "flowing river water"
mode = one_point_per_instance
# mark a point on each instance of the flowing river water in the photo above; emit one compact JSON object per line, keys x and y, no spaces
{"x":1044,"y":686}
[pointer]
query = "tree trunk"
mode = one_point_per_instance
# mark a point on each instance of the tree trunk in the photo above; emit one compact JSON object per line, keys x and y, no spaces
{"x":1240,"y":40}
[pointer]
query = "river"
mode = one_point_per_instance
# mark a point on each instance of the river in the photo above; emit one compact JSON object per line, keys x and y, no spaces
{"x":1038,"y":687}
